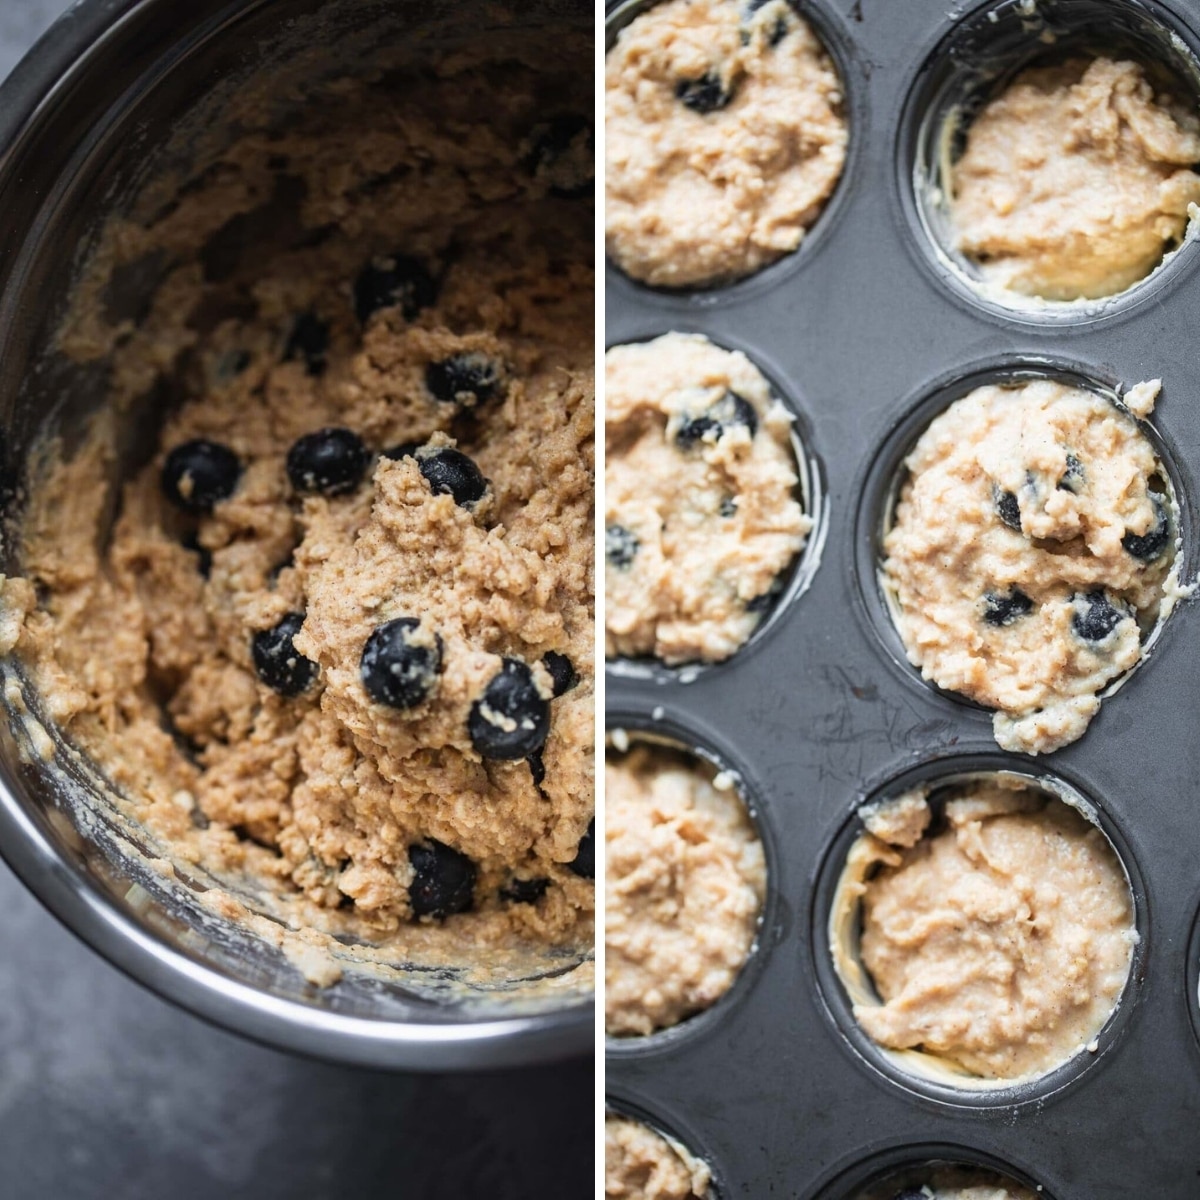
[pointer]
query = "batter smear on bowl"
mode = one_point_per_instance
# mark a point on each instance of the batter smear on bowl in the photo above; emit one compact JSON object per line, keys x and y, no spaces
{"x":996,"y":934}
{"x":333,"y":635}
{"x":725,"y":137}
{"x":1033,"y":549}
{"x":686,"y":880}
{"x":701,"y":516}
{"x":1075,"y":180}
{"x":640,"y":1164}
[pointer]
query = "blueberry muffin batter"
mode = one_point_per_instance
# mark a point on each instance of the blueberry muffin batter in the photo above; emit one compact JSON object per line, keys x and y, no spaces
{"x":724,"y":137}
{"x":996,"y":935}
{"x":685,"y":885}
{"x":640,"y":1164}
{"x":701,"y":515}
{"x":335,"y":637}
{"x":951,"y":1183}
{"x":1075,"y":180}
{"x":1032,"y":550}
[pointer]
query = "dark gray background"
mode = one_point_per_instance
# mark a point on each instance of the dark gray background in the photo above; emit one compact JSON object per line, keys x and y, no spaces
{"x":106,"y":1091}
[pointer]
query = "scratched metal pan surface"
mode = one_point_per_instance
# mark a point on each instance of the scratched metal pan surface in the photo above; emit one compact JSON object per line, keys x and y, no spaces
{"x":868,"y":331}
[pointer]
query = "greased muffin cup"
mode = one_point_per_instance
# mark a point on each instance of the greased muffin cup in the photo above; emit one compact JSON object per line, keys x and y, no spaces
{"x":875,"y":330}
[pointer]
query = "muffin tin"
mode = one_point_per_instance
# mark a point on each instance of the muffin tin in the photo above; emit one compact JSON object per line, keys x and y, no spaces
{"x":869,"y":330}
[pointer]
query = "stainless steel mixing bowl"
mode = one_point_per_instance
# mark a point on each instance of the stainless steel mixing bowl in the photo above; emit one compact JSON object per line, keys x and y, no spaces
{"x":98,"y":103}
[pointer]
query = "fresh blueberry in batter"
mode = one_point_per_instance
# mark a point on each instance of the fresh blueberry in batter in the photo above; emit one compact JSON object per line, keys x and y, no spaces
{"x":393,"y":281}
{"x":309,"y":340}
{"x":728,"y":507}
{"x":199,"y":474}
{"x":443,"y":880}
{"x":1008,"y":510}
{"x":467,"y":379}
{"x":1072,"y":477}
{"x":1149,"y":546}
{"x":452,"y":473}
{"x":277,"y":661}
{"x":203,"y":554}
{"x":511,"y":719}
{"x":563,"y":155}
{"x":778,"y":31}
{"x":620,"y":546}
{"x":730,"y":411}
{"x":704,"y":95}
{"x":537,"y":769}
{"x":330,"y":461}
{"x":396,"y":669}
{"x":1004,"y":608}
{"x":584,"y":862}
{"x":524,"y":891}
{"x":562,"y":672}
{"x":1097,"y":617}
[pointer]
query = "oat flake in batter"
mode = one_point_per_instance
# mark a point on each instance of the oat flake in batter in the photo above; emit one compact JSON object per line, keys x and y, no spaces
{"x":338,"y":639}
{"x":1031,"y":552}
{"x":1075,"y":181}
{"x":684,"y":886}
{"x":998,"y":943}
{"x":701,"y":514}
{"x":640,"y":1164}
{"x":725,"y":137}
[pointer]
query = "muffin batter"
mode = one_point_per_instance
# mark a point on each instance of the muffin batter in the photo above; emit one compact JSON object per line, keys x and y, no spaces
{"x":685,"y":885}
{"x":1032,"y":550}
{"x":950,"y":1183}
{"x":337,"y":639}
{"x":1075,"y":181}
{"x":998,"y":943}
{"x":701,"y":516}
{"x":725,"y":136}
{"x":640,"y":1164}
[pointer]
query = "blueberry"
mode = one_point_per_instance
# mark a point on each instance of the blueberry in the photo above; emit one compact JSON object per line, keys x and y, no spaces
{"x":524,"y":891}
{"x":562,"y":673}
{"x":466,"y":379}
{"x":203,"y":554}
{"x":452,"y":473}
{"x":730,"y":411}
{"x":728,"y":507}
{"x":537,"y":769}
{"x":511,"y":719}
{"x":620,"y":546}
{"x":584,"y":862}
{"x":443,"y":880}
{"x":330,"y":461}
{"x":1004,"y":608}
{"x":403,"y":450}
{"x":308,"y":340}
{"x":277,"y":661}
{"x":393,"y":281}
{"x":1149,"y":546}
{"x":198,"y":474}
{"x":396,"y":670}
{"x":703,"y":95}
{"x":778,"y":31}
{"x":1095,"y":616}
{"x":562,"y":155}
{"x":1072,"y":477}
{"x":1008,"y":510}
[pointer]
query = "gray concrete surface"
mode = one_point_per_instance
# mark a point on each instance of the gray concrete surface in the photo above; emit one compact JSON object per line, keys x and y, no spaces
{"x":107,"y":1093}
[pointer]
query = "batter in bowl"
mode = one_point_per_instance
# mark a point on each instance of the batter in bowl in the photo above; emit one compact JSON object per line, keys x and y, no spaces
{"x":640,"y":1164}
{"x":685,"y":886}
{"x":337,"y":638}
{"x":996,"y":934}
{"x":725,"y":136}
{"x":1075,"y":180}
{"x":701,"y":515}
{"x":951,"y":1183}
{"x":1032,"y":550}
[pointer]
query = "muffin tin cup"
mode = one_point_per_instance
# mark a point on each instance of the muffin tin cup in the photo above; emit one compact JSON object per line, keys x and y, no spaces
{"x":821,"y":712}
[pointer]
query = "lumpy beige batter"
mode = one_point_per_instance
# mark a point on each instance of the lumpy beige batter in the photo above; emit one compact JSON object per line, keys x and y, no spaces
{"x":685,"y":884}
{"x":950,"y":1183}
{"x":1032,"y":549}
{"x":1075,"y":181}
{"x":725,"y":136}
{"x":701,"y":514}
{"x":139,"y":636}
{"x":997,"y":943}
{"x":640,"y":1164}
